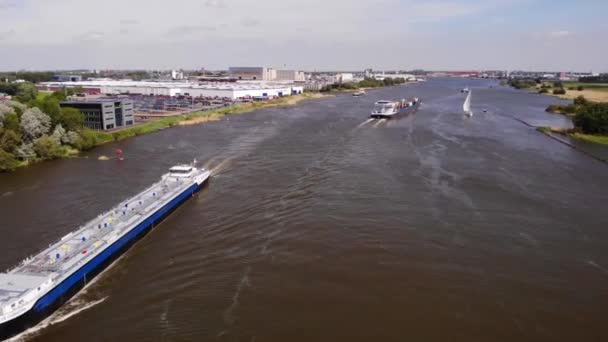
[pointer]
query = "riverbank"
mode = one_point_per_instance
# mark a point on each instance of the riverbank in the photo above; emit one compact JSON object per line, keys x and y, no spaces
{"x":591,"y":138}
{"x":97,"y":138}
{"x":589,"y":118}
{"x":200,"y":117}
{"x":594,"y":138}
{"x":572,"y":140}
{"x":364,"y":89}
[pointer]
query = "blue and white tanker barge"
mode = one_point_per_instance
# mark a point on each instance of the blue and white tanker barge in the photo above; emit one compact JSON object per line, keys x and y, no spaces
{"x":38,"y":286}
{"x":393,"y":109}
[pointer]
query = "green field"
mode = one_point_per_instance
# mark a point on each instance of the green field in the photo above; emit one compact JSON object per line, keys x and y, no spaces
{"x":594,"y":86}
{"x":597,"y":139}
{"x":41,"y":95}
{"x":592,"y":138}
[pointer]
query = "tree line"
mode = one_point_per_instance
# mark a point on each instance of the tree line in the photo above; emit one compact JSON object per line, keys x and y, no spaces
{"x":36,"y":128}
{"x":588,"y":117}
{"x":603,"y":78}
{"x":366,"y":83}
{"x":29,"y":76}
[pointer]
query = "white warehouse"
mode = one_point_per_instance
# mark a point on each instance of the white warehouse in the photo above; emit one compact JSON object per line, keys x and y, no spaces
{"x":223,"y":90}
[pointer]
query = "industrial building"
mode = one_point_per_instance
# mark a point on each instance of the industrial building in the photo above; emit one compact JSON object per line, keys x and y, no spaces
{"x":177,"y":75}
{"x":104,"y":114}
{"x":233,"y":90}
{"x":67,"y":78}
{"x":290,"y":75}
{"x":382,"y":76}
{"x":252,"y":73}
{"x":265,"y":74}
{"x":344,"y":78}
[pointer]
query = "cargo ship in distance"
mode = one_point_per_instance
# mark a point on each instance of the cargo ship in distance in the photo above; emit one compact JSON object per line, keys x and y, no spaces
{"x":393,"y":109}
{"x":38,"y":286}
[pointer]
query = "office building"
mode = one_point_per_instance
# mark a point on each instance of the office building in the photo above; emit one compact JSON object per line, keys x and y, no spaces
{"x":104,"y":114}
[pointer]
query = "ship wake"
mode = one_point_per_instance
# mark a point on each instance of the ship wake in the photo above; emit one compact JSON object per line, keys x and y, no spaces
{"x":379,"y":123}
{"x":81,"y":302}
{"x":244,"y":282}
{"x":72,"y":308}
{"x":221,"y":166}
{"x":365,"y":123}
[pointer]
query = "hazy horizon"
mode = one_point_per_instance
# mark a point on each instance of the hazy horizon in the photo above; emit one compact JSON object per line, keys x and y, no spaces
{"x":312,"y":35}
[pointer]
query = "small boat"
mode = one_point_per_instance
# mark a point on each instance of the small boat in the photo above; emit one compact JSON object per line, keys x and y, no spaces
{"x":359,"y":93}
{"x":391,"y":109}
{"x":466,"y":106}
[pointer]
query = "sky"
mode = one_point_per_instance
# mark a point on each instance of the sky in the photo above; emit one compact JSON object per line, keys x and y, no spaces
{"x":550,"y":35}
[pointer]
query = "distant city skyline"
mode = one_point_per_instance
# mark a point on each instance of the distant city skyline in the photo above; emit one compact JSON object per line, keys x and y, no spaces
{"x":308,"y":35}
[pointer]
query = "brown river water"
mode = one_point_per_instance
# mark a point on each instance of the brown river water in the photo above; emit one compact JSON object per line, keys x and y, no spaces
{"x":320,"y":226}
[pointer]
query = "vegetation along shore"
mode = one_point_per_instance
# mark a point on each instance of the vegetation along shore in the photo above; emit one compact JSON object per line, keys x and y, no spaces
{"x":33,"y":127}
{"x":365,"y":84}
{"x":590,"y":120}
{"x":593,"y":91}
{"x":588,"y":111}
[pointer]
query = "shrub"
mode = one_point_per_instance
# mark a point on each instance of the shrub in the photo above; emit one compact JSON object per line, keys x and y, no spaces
{"x":580,"y":88}
{"x":35,"y":123}
{"x":522,"y":84}
{"x":11,"y":122}
{"x":581,"y":100}
{"x":9,"y":141}
{"x":87,"y":140}
{"x":543,"y":91}
{"x":8,"y":162}
{"x":25,"y":151}
{"x":570,"y":109}
{"x":47,"y":148}
{"x":559,"y":91}
{"x":18,"y":107}
{"x":26,"y":92}
{"x":593,"y":118}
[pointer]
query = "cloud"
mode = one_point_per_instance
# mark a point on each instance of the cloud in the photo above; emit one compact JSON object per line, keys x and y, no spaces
{"x":315,"y":34}
{"x":7,"y":34}
{"x":91,"y":36}
{"x":129,"y":22}
{"x":190,"y":29}
{"x":215,"y":4}
{"x":7,"y":4}
{"x":437,"y":10}
{"x":250,"y":22}
{"x":559,"y":34}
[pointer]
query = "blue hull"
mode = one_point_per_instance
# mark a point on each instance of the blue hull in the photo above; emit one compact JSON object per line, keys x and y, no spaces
{"x":75,"y":282}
